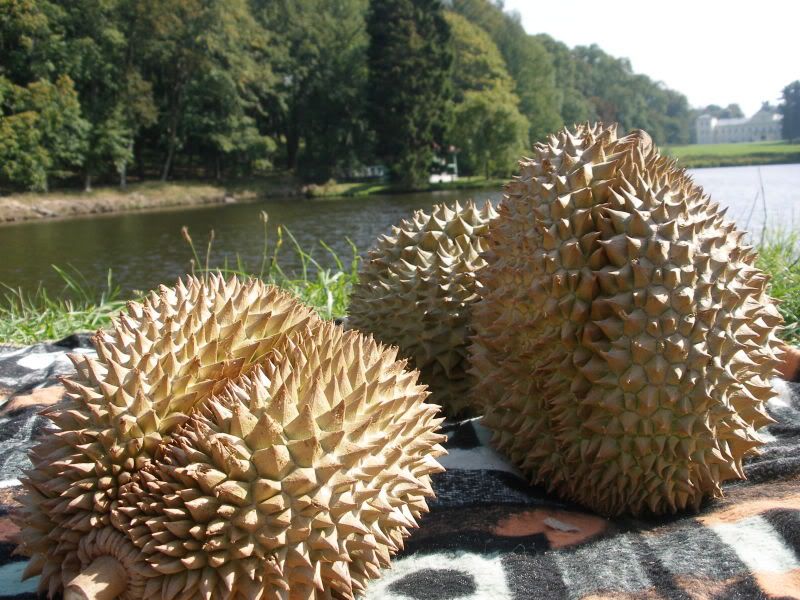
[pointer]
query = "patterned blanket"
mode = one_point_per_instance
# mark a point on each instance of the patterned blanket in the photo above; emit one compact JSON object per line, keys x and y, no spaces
{"x":491,"y":536}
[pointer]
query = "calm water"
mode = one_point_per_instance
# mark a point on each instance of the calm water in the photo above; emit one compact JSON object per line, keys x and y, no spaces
{"x":145,"y":249}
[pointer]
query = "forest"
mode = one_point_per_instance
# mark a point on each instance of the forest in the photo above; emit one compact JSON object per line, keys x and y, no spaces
{"x":115,"y":90}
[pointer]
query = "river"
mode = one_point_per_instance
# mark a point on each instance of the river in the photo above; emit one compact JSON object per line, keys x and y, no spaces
{"x":145,"y":249}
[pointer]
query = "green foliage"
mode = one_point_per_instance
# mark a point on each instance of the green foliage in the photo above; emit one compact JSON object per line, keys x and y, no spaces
{"x":488,"y":128}
{"x":228,"y":88}
{"x":409,"y":58}
{"x":490,"y":131}
{"x":42,"y":132}
{"x":39,"y":316}
{"x":319,"y":102}
{"x":732,"y":111}
{"x":790,"y":109}
{"x":477,"y":63}
{"x":779,"y":256}
{"x":527,"y":60}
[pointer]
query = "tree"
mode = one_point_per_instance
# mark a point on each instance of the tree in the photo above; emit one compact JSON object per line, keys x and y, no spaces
{"x":573,"y":104}
{"x":42,"y":132}
{"x":201,"y":52}
{"x":409,"y":58}
{"x":477,"y":63}
{"x":318,"y":105}
{"x":490,"y":131}
{"x":790,"y":109}
{"x":527,"y":61}
{"x":732,"y":111}
{"x":488,"y":128}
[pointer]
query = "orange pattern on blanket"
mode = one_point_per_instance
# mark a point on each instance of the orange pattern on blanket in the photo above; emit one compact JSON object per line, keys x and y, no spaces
{"x":790,"y":364}
{"x":703,"y":588}
{"x":640,"y":595}
{"x":564,"y":528}
{"x":780,"y":585}
{"x":46,"y":396}
{"x":4,"y":395}
{"x":8,"y":531}
{"x":749,"y":508}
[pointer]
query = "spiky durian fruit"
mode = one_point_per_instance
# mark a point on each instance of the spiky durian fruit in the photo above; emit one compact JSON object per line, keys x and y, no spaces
{"x":168,"y":353}
{"x":625,"y":342}
{"x":298,"y":481}
{"x":416,"y":291}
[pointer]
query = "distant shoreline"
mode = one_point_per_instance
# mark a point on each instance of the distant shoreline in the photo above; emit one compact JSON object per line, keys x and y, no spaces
{"x":699,"y":156}
{"x":64,"y":204}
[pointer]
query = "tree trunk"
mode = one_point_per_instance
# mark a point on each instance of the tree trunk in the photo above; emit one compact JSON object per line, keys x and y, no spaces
{"x":292,"y":137}
{"x":123,"y":168}
{"x":175,"y":115}
{"x":292,"y":144}
{"x":170,"y":155}
{"x":138,"y":159}
{"x":87,"y":183}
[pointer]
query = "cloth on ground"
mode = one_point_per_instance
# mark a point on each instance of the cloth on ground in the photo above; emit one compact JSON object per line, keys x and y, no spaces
{"x":492,"y":536}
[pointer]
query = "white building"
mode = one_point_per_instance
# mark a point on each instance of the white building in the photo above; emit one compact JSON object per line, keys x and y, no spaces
{"x":765,"y":125}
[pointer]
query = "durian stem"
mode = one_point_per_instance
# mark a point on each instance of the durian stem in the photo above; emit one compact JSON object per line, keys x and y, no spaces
{"x":104,"y":579}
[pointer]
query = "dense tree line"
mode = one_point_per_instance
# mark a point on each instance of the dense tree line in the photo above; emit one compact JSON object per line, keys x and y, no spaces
{"x":113,"y":89}
{"x":790,"y":109}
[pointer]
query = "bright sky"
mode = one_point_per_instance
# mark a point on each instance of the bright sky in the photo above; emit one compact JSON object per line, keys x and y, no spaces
{"x":713,"y":51}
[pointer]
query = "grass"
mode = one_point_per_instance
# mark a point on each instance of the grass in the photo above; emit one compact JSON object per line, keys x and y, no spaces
{"x":721,"y":155}
{"x":779,"y":255}
{"x":350,"y":189}
{"x":27,"y":318}
{"x":38,"y":316}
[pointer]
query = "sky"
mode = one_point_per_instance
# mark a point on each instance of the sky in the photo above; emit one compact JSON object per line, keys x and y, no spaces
{"x":714,"y":52}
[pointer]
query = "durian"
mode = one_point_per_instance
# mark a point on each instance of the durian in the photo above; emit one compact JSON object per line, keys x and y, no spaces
{"x":624,"y":341}
{"x":298,"y":481}
{"x":165,"y":356}
{"x":416,"y":291}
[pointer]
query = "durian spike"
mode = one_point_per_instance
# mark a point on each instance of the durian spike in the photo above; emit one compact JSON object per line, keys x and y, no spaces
{"x":104,"y":579}
{"x":158,"y":362}
{"x":315,"y":464}
{"x":416,"y":290}
{"x":614,"y":351}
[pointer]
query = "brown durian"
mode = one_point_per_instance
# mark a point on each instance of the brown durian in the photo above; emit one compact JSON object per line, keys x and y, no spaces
{"x":625,"y":342}
{"x":159,"y":361}
{"x":416,"y":291}
{"x":298,"y":481}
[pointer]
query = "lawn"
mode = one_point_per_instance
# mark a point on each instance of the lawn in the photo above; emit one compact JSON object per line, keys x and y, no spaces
{"x":333,"y":189}
{"x":720,"y":155}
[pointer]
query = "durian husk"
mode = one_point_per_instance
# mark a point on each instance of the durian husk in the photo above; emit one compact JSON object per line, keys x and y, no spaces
{"x":300,"y":480}
{"x":178,"y":347}
{"x":416,"y":290}
{"x":625,"y":342}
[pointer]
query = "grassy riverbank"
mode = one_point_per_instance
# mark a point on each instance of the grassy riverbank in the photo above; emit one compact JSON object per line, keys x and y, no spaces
{"x":141,"y":196}
{"x":154,"y":195}
{"x":696,"y":156}
{"x":26,"y":318}
{"x":29,"y":318}
{"x":333,"y":189}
